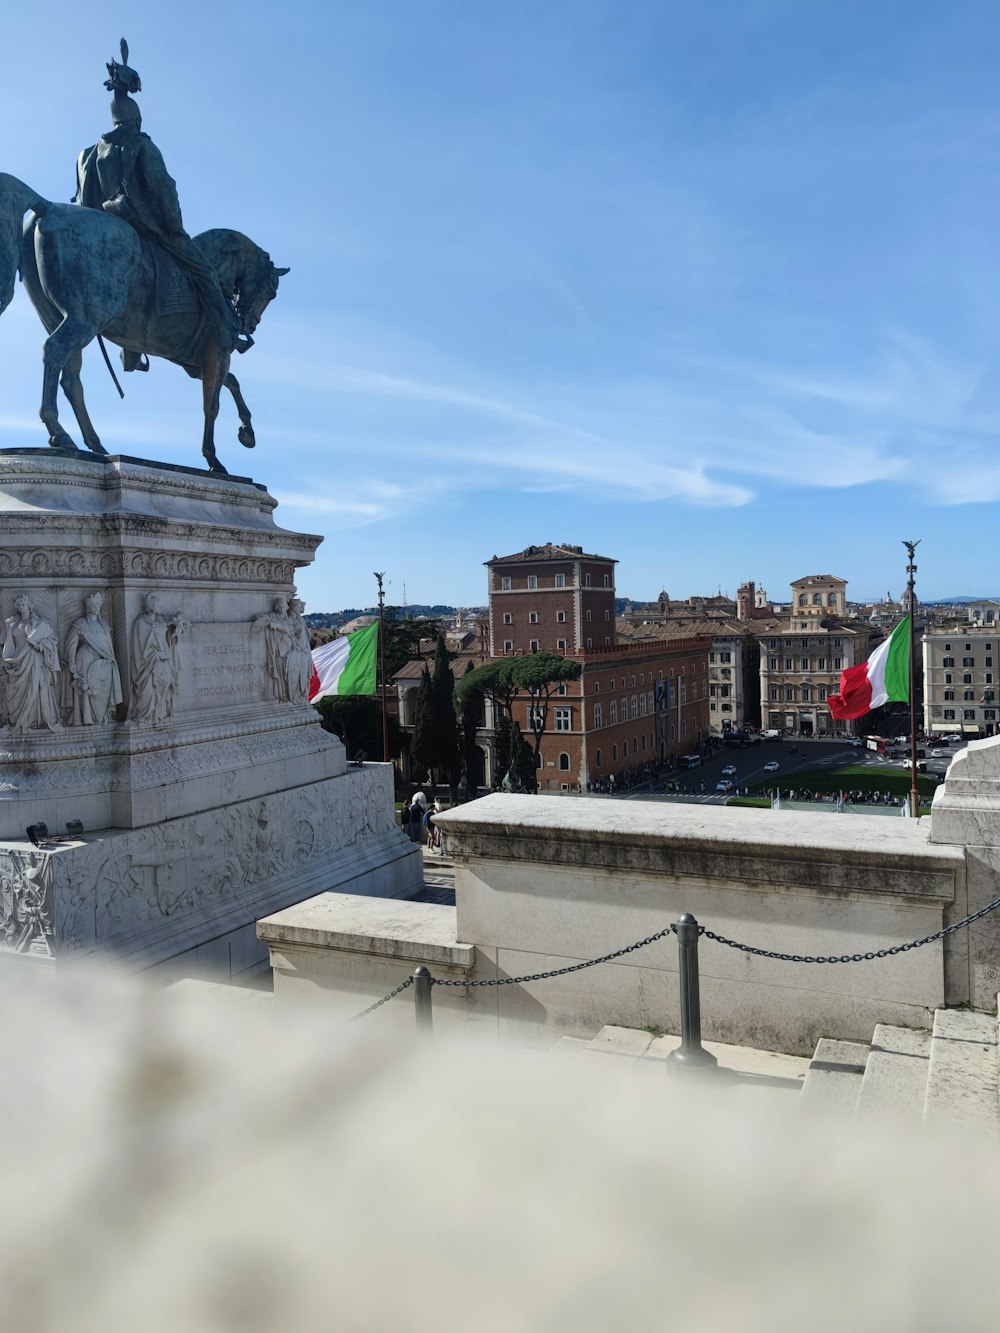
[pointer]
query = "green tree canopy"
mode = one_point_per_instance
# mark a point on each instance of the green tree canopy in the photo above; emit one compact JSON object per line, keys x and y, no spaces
{"x":537,"y":675}
{"x":422,"y":747}
{"x":471,"y":702}
{"x":447,"y":749}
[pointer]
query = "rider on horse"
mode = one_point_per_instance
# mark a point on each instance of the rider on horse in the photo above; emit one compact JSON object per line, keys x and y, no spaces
{"x":125,"y":175}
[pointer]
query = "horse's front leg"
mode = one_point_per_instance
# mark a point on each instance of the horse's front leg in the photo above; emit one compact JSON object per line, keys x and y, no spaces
{"x":72,"y":387}
{"x":70,"y":337}
{"x":246,"y":435}
{"x":214,"y":369}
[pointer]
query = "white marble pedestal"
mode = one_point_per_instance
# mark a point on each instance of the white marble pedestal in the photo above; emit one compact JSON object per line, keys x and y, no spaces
{"x":210,"y":795}
{"x":966,"y":813}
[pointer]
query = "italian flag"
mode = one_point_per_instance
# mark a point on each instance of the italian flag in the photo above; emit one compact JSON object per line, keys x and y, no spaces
{"x":345,"y":665}
{"x":885,"y":676}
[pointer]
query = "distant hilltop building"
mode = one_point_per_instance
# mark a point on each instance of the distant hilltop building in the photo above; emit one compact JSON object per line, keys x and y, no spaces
{"x":668,"y":611}
{"x":821,"y":595}
{"x":752,"y":603}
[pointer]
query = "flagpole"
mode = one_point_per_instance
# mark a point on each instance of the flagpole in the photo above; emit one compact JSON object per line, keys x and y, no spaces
{"x":911,"y":569}
{"x":381,"y":664}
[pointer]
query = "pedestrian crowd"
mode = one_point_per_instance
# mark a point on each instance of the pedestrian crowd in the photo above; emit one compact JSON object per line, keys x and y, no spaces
{"x":416,"y":818}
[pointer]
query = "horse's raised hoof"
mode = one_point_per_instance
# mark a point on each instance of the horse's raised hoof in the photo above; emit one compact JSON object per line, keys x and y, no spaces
{"x":247,"y":437}
{"x":60,"y":440}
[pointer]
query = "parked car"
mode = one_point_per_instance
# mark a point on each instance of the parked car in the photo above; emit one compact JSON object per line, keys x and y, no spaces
{"x":724,"y":785}
{"x":771,"y":767}
{"x":729,"y":771}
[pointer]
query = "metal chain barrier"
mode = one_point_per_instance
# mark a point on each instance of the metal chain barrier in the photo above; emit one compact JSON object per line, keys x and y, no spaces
{"x":559,"y":971}
{"x":851,"y":957}
{"x":431,"y":981}
{"x":384,"y":1000}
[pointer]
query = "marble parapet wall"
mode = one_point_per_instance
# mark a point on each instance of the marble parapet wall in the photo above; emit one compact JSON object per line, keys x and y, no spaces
{"x":545,"y":882}
{"x":966,"y":813}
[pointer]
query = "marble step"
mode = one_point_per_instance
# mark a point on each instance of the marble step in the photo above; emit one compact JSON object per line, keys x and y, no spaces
{"x":570,"y":1046}
{"x":895,"y":1077}
{"x":833,"y":1080}
{"x":963,"y":1081}
{"x":227,"y":992}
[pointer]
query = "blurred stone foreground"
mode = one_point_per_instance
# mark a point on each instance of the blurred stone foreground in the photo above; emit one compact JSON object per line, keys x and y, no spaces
{"x":174,"y":1163}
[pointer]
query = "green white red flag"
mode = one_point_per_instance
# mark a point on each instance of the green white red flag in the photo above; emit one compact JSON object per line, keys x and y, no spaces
{"x":345,"y":665}
{"x":883,"y":678}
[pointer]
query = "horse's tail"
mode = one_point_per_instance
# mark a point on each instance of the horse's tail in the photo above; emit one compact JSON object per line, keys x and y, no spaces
{"x":16,"y":199}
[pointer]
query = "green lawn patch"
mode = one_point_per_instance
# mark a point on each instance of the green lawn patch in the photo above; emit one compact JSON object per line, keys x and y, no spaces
{"x":753,"y":802}
{"x":855,"y":777}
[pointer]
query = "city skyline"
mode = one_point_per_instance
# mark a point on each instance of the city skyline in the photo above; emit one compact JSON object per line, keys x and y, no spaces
{"x":709,"y":290}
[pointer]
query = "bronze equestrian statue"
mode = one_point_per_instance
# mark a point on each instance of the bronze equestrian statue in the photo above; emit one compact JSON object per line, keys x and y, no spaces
{"x":119,"y":264}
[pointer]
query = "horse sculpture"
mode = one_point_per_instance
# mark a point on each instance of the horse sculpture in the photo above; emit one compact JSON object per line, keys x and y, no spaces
{"x":88,"y":273}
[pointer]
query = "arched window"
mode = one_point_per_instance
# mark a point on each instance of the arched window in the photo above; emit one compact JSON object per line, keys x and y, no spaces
{"x":614,"y":753}
{"x":817,"y":599}
{"x":831,"y":599}
{"x":624,"y":749}
{"x":803,"y":599}
{"x":600,"y":762}
{"x":564,"y":762}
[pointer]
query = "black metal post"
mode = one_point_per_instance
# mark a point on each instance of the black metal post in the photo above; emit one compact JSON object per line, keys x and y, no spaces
{"x":422,"y":987}
{"x":690,"y":1052}
{"x":911,"y":570}
{"x":381,"y":665}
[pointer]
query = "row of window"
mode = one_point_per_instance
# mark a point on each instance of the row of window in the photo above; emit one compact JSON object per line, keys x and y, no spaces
{"x":508,"y":618}
{"x":641,"y":705}
{"x":968,"y":696}
{"x":559,"y":581}
{"x":968,"y":648}
{"x":508,"y":645}
{"x":817,"y":599}
{"x":966,"y":661}
{"x":818,"y":664}
{"x":599,"y":760}
{"x":723,"y":655}
{"x":803,"y":643}
{"x":969,"y":714}
{"x":802,"y":693}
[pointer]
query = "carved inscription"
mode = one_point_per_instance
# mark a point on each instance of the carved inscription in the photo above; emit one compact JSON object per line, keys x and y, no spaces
{"x":224,"y":670}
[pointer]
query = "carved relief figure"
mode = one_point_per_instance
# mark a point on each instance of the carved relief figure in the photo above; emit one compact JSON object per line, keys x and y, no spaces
{"x":277,"y":631}
{"x":25,"y":908}
{"x":30,"y":667}
{"x":299,"y":661}
{"x":155,"y":667}
{"x":90,"y":662}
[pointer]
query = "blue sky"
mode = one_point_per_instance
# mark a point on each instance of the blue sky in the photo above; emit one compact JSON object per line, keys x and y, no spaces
{"x":710,"y":288}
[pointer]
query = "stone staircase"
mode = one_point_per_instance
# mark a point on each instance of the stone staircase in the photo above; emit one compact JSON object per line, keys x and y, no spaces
{"x":947,"y":1078}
